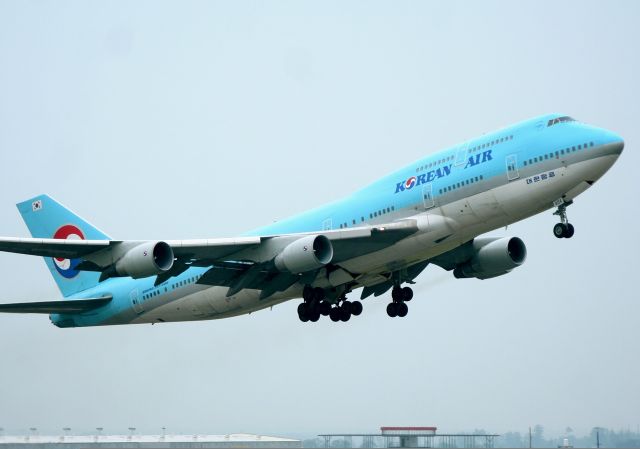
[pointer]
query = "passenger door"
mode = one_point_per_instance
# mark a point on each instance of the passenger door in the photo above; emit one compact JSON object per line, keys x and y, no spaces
{"x":427,"y":196}
{"x":512,"y":167}
{"x":461,"y":155}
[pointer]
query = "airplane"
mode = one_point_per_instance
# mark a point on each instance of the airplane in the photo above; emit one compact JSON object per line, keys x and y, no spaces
{"x":379,"y":238}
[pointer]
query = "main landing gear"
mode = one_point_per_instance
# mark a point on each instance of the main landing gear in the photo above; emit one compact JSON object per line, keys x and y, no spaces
{"x":400,"y":296}
{"x":315,"y":305}
{"x":564,"y":229}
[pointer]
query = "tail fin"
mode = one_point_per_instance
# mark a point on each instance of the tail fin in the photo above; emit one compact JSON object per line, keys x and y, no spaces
{"x":46,"y":218}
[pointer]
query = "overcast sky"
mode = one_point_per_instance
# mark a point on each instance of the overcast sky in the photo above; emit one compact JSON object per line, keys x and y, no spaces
{"x":188,"y":119}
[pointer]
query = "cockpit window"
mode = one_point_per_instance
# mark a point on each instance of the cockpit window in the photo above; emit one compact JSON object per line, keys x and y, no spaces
{"x":566,"y":118}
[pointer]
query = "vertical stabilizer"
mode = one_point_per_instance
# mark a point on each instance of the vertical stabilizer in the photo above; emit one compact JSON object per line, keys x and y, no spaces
{"x":46,"y":218}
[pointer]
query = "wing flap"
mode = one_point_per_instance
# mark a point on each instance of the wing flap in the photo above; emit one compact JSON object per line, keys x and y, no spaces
{"x":211,"y":249}
{"x":66,"y":306}
{"x":347,"y":244}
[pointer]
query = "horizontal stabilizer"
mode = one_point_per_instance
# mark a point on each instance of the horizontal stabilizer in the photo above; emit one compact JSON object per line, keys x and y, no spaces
{"x":67,"y":306}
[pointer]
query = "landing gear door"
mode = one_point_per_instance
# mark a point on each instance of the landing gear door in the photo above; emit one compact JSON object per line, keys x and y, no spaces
{"x":427,"y":196}
{"x":512,"y":167}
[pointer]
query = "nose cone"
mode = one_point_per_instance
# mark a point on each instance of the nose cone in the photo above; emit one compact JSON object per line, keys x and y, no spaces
{"x":618,"y":145}
{"x":615,"y":141}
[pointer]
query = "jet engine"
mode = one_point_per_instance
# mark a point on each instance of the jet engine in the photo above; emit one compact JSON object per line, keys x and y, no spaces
{"x":146,"y":259}
{"x":492,"y":259}
{"x":305,"y":254}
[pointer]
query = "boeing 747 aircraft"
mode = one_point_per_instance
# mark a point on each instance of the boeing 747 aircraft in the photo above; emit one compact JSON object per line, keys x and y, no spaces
{"x":376,"y":239}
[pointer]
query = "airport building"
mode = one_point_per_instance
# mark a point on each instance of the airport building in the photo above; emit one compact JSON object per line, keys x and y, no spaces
{"x":414,"y":437}
{"x":238,"y":440}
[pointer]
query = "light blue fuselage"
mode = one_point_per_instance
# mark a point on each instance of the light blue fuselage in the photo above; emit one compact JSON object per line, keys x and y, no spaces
{"x":525,"y":152}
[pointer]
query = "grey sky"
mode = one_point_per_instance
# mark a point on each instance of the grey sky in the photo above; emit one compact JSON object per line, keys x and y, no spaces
{"x":205,"y":119}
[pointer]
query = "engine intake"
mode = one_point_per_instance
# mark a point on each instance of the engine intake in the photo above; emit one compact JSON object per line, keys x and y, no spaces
{"x":305,"y":254}
{"x":494,"y":258}
{"x":146,"y":259}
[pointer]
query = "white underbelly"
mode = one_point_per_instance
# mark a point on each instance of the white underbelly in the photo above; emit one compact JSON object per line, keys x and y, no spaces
{"x":212,"y":303}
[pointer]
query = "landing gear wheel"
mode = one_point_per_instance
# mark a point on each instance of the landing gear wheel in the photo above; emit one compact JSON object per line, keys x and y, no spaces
{"x":314,"y":316}
{"x":407,"y":294}
{"x":392,"y":310}
{"x":564,"y":228}
{"x":334,"y":314}
{"x":402,"y":309}
{"x":345,"y":314}
{"x":396,"y":294}
{"x":303,"y":312}
{"x":325,"y":308}
{"x":570,"y":231}
{"x":559,"y":230}
{"x":356,"y":308}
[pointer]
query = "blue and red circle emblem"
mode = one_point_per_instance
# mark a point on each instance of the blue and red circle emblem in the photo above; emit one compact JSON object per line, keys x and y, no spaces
{"x":409,"y":183}
{"x":67,"y":267}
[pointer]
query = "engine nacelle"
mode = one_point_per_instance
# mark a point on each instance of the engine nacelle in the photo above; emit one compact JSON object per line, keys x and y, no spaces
{"x":493,"y":259}
{"x":305,"y":254}
{"x":146,"y":259}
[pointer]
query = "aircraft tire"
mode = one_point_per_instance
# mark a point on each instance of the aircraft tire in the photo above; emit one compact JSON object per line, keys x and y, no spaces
{"x":334,"y":314}
{"x":345,"y":315}
{"x":396,"y":294}
{"x":303,"y":312}
{"x":356,"y":308}
{"x":392,"y":310}
{"x":402,"y":309}
{"x":570,"y":231}
{"x":407,"y":294}
{"x":559,"y":230}
{"x":314,"y":316}
{"x":325,"y":308}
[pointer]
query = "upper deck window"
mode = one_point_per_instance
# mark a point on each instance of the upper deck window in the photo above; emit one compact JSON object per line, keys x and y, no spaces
{"x":566,"y":118}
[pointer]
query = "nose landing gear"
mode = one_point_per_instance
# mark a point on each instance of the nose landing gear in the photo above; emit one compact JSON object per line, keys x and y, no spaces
{"x":564,"y":229}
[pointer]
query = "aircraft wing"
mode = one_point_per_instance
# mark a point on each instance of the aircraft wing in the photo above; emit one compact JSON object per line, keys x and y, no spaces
{"x":346,"y":243}
{"x":67,"y":306}
{"x":73,"y":249}
{"x":221,"y":254}
{"x":350,"y":243}
{"x":260,"y":274}
{"x":66,"y":249}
